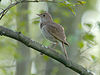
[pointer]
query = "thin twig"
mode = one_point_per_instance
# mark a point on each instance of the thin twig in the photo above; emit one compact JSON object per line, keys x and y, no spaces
{"x":2,"y":13}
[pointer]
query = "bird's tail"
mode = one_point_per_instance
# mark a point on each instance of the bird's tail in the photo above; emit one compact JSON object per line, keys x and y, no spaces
{"x":65,"y":52}
{"x":66,"y":43}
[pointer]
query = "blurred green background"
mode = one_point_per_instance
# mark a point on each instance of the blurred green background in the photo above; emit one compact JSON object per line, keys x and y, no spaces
{"x":81,"y":21}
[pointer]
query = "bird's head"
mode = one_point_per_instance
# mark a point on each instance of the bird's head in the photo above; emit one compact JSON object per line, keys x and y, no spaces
{"x":45,"y":17}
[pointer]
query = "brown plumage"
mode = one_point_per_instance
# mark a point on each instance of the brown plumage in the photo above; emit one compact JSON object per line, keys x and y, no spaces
{"x":52,"y":31}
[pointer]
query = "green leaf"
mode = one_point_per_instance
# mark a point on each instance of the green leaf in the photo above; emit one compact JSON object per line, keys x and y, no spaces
{"x":62,"y":4}
{"x":42,"y":11}
{"x":12,"y":73}
{"x":67,"y":2}
{"x":79,"y":26}
{"x":98,"y":24}
{"x":81,"y":44}
{"x":69,"y":5}
{"x":93,"y":57}
{"x":82,"y":2}
{"x":46,"y":57}
{"x":88,"y":36}
{"x":57,"y":20}
{"x":89,"y":25}
{"x":4,"y":71}
{"x":55,"y":70}
{"x":72,"y":10}
{"x":36,"y":22}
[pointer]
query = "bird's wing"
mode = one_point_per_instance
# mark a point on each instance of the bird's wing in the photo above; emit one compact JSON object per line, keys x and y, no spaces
{"x":57,"y":31}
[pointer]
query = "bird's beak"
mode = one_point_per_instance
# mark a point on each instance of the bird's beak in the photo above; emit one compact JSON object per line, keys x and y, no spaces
{"x":38,"y":14}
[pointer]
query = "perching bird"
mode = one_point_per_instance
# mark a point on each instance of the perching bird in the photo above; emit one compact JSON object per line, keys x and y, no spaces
{"x":52,"y":31}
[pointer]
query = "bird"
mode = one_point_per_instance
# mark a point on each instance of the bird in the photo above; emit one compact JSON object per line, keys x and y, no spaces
{"x":52,"y":31}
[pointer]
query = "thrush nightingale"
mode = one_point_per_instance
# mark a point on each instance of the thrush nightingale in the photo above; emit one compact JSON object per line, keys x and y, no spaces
{"x":52,"y":31}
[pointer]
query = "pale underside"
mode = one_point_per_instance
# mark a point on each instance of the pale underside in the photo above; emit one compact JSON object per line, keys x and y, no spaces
{"x":54,"y":32}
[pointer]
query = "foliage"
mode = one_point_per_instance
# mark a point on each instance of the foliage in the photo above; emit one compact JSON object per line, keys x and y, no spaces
{"x":71,"y":6}
{"x":8,"y":47}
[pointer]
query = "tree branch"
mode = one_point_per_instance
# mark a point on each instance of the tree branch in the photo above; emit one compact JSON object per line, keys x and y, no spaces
{"x":39,"y":47}
{"x":2,"y":13}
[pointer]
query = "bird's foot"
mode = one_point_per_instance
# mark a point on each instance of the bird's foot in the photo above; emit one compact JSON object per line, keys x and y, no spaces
{"x":53,"y":45}
{"x":41,"y":53}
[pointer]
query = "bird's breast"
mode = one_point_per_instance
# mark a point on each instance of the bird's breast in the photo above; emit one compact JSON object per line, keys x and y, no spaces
{"x":47,"y":34}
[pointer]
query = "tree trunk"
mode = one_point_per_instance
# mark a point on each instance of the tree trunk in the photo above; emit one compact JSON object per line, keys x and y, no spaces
{"x":23,"y":63}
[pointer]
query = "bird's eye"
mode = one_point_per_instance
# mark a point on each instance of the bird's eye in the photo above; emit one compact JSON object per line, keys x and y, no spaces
{"x":43,"y":15}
